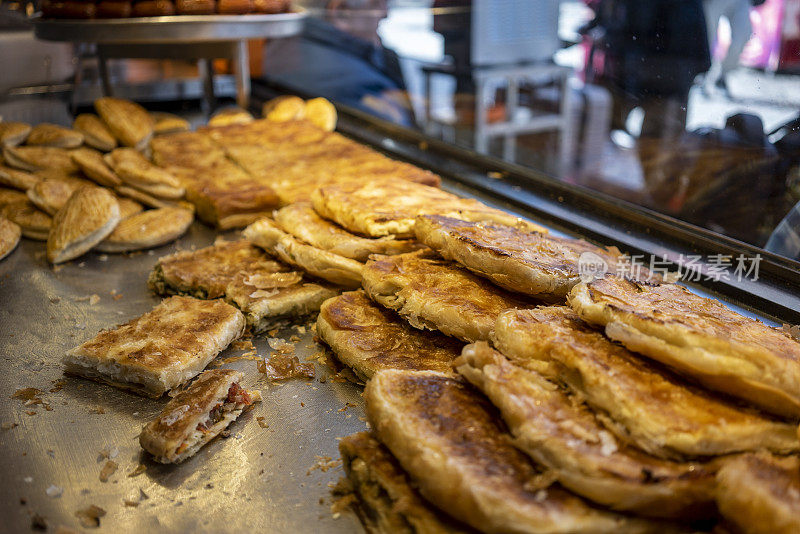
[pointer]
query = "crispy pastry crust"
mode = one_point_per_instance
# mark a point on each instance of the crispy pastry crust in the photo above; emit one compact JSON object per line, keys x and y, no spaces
{"x":301,"y":221}
{"x":368,"y":338}
{"x":438,"y":295}
{"x":657,"y":411}
{"x":699,"y":337}
{"x":364,"y":208}
{"x":52,"y":194}
{"x":17,"y":179}
{"x":265,"y":290}
{"x":387,"y":502}
{"x":517,"y":259}
{"x":561,"y":433}
{"x":95,"y":132}
{"x":45,"y":134}
{"x":9,"y":237}
{"x":93,"y":165}
{"x":35,"y":158}
{"x":316,"y":262}
{"x":161,"y":349}
{"x":177,"y":424}
{"x":147,"y":229}
{"x":167,"y":123}
{"x":449,"y":441}
{"x":35,"y":224}
{"x":128,"y":121}
{"x":88,"y":217}
{"x":136,"y":171}
{"x":760,"y":493}
{"x":13,"y":133}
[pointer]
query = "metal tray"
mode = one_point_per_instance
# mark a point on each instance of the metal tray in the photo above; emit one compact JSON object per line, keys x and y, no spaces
{"x":171,"y":29}
{"x":258,"y":479}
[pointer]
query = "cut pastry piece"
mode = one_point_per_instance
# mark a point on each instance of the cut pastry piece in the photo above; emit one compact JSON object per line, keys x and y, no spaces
{"x":88,"y":217}
{"x":387,"y":503}
{"x":52,"y":194}
{"x":147,"y":229}
{"x":450,"y":442}
{"x":128,"y":121}
{"x":438,"y":295}
{"x":95,"y":132}
{"x":558,"y":431}
{"x":13,"y":133}
{"x":136,"y":171}
{"x":362,"y":207}
{"x":657,"y":411}
{"x":225,"y":196}
{"x":197,"y":415}
{"x":160,"y":350}
{"x":265,"y":290}
{"x":368,"y":338}
{"x":128,"y":207}
{"x":10,"y":196}
{"x":168,"y":123}
{"x":35,"y":224}
{"x":317,"y":262}
{"x":699,"y":337}
{"x":230,"y":116}
{"x":760,"y":493}
{"x":46,"y":134}
{"x":35,"y":158}
{"x":149,"y":200}
{"x":10,"y":233}
{"x":92,"y":164}
{"x":284,"y":108}
{"x":16,"y":178}
{"x":300,"y":220}
{"x":321,"y":113}
{"x":519,"y":260}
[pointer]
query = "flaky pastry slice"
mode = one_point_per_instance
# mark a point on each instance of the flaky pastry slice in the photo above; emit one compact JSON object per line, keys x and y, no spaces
{"x":46,"y":134}
{"x":17,"y":179}
{"x":197,"y":415}
{"x":95,"y":132}
{"x":160,"y":350}
{"x":316,"y":262}
{"x":147,"y":229}
{"x":699,"y":337}
{"x":13,"y":133}
{"x":128,"y":121}
{"x":9,"y":236}
{"x":136,"y":171}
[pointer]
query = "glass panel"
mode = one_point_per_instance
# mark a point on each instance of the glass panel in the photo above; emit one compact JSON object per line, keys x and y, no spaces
{"x":630,"y":98}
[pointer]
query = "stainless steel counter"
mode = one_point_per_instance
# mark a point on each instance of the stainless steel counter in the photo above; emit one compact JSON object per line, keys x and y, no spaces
{"x":258,"y":479}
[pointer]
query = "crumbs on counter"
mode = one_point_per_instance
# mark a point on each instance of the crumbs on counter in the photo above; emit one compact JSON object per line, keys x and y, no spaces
{"x":284,"y":366}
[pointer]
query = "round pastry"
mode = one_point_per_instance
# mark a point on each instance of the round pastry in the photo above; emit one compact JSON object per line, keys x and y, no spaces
{"x":271,"y":6}
{"x":195,"y":7}
{"x":153,"y":8}
{"x":114,"y":9}
{"x":235,"y":7}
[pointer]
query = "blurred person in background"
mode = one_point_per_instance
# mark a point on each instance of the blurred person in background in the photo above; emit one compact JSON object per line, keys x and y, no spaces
{"x":737,"y":13}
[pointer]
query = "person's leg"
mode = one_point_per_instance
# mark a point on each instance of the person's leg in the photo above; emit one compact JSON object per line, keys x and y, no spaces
{"x":738,"y":15}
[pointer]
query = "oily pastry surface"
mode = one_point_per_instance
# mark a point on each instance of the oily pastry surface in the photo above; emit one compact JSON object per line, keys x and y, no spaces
{"x":95,"y":132}
{"x":560,"y":432}
{"x":128,"y":121}
{"x":533,"y":263}
{"x":655,"y":410}
{"x":369,"y":337}
{"x":316,"y":262}
{"x":301,"y":221}
{"x":90,"y":214}
{"x":450,"y":442}
{"x":161,"y":349}
{"x":363,"y":207}
{"x":699,"y":337}
{"x":147,"y":229}
{"x":35,"y":158}
{"x":434,"y":294}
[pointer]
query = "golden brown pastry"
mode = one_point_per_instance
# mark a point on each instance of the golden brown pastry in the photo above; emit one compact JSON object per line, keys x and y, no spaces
{"x":53,"y":135}
{"x":147,"y":229}
{"x":90,"y":214}
{"x":167,"y":123}
{"x":160,"y":350}
{"x":9,"y":196}
{"x":95,"y":132}
{"x":321,"y":113}
{"x":153,"y":8}
{"x":10,"y":233}
{"x":35,"y":224}
{"x":92,"y":164}
{"x":197,"y":415}
{"x":699,"y":337}
{"x":195,"y":7}
{"x":284,"y":108}
{"x":271,"y":7}
{"x":230,"y":116}
{"x":265,"y":290}
{"x":17,"y":179}
{"x":128,"y":207}
{"x":51,"y":194}
{"x":128,"y":121}
{"x":114,"y":9}
{"x":368,"y":337}
{"x":35,"y":158}
{"x":136,"y":171}
{"x":235,"y":7}
{"x":13,"y":133}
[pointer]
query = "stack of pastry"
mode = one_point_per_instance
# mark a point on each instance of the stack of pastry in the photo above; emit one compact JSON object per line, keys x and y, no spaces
{"x":113,"y":9}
